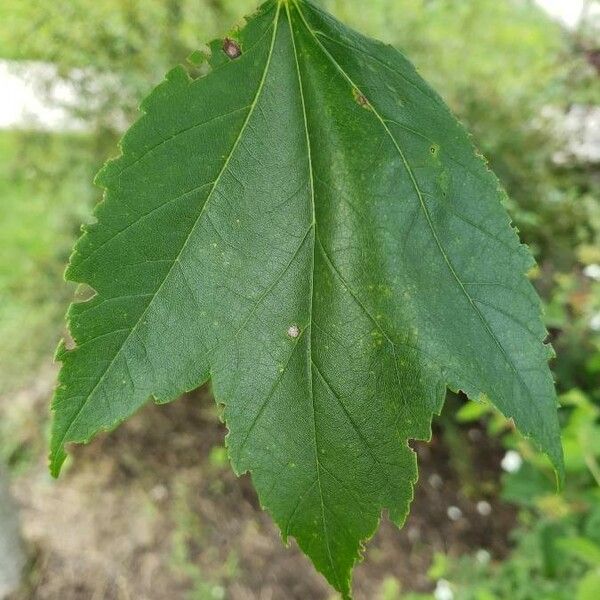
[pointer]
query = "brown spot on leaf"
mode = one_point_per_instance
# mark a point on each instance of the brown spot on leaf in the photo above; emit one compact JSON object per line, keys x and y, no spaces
{"x":232,"y":48}
{"x":361,"y":99}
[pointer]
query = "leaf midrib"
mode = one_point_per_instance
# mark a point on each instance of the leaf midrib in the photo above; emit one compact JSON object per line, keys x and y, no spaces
{"x":310,"y":362}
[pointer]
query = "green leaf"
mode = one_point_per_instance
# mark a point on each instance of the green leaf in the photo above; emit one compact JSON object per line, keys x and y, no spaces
{"x":582,"y":548}
{"x":309,"y":227}
{"x":588,"y":587}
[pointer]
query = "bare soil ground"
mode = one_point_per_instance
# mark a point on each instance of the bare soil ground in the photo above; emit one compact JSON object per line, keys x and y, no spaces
{"x":153,"y":512}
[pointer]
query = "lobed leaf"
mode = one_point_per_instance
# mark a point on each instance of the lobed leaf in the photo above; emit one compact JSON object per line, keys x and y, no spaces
{"x":309,"y":227}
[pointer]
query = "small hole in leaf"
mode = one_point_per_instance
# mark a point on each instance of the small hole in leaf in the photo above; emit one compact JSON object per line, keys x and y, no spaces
{"x":434,"y":149}
{"x":84,"y":293}
{"x":197,"y":64}
{"x":232,"y":48}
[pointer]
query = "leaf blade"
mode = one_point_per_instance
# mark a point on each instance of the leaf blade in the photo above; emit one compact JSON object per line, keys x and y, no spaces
{"x":306,"y":224}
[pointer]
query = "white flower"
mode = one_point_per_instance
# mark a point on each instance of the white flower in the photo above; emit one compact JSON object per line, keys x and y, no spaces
{"x":454,"y":513}
{"x":443,"y":591}
{"x":484,"y":508}
{"x":592,"y":271}
{"x":483,"y":557}
{"x":511,"y":462}
{"x":435,"y":481}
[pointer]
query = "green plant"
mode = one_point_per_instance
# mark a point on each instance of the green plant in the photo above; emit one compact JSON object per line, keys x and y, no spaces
{"x":557,"y":544}
{"x":308,"y":226}
{"x":34,"y":168}
{"x":187,"y":534}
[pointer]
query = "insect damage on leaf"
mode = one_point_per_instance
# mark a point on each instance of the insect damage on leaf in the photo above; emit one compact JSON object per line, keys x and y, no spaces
{"x":259,"y":191}
{"x":231,"y":48}
{"x":293,"y":331}
{"x":360,"y":98}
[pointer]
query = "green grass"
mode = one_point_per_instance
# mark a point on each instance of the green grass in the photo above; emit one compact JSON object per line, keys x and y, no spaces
{"x":44,"y":194}
{"x":13,"y":16}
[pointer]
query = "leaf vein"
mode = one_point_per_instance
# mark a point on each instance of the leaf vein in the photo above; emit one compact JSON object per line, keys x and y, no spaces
{"x":426,"y":213}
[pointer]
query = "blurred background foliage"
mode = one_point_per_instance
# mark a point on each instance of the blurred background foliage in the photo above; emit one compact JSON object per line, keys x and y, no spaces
{"x":509,"y":73}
